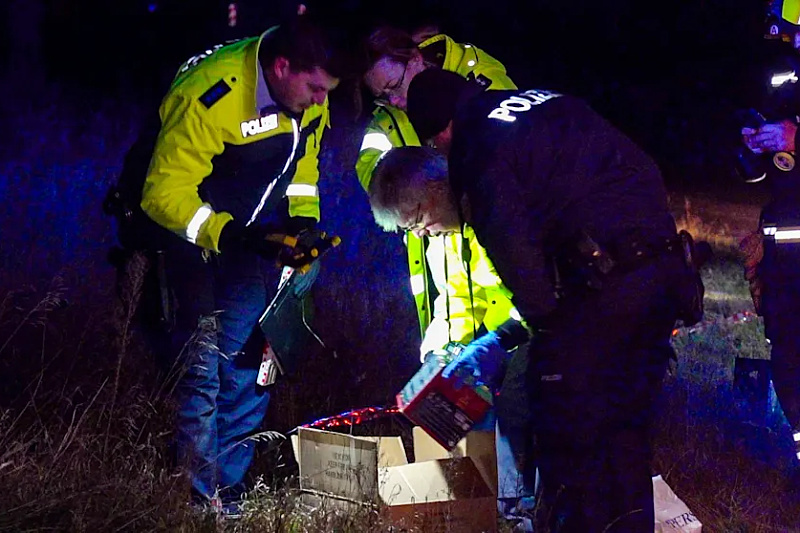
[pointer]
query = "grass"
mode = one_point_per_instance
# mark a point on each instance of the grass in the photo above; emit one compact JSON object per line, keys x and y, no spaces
{"x":728,"y":459}
{"x":84,"y":430}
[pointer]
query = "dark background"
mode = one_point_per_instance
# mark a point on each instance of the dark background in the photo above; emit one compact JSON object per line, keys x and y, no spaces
{"x":78,"y":77}
{"x":670,"y":74}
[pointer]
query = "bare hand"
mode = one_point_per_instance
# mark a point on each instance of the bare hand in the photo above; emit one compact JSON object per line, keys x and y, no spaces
{"x":774,"y":137}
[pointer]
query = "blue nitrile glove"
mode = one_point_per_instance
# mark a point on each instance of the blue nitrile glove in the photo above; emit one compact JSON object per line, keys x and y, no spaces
{"x":483,"y":359}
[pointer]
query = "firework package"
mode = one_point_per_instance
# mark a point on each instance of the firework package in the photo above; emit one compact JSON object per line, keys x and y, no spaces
{"x":434,"y":403}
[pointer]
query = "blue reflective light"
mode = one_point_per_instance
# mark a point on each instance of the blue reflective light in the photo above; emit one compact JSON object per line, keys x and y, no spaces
{"x":151,"y":8}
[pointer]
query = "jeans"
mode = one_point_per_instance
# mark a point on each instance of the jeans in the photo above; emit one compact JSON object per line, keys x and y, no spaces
{"x":514,"y":443}
{"x":220,"y":406}
{"x":516,"y":464}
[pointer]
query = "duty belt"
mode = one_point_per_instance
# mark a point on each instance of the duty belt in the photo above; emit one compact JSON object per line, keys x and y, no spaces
{"x":589,"y":263}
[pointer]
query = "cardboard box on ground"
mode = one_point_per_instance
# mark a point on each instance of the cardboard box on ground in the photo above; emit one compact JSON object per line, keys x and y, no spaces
{"x":440,"y":492}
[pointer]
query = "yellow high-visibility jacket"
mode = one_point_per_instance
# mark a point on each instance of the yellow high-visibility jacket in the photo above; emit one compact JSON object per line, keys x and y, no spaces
{"x":389,"y":128}
{"x":226,"y":150}
{"x":455,"y":313}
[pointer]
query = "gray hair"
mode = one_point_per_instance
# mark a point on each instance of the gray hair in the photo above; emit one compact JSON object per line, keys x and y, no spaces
{"x":403,"y":176}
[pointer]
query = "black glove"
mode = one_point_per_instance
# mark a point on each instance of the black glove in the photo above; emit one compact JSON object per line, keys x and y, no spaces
{"x":296,"y":251}
{"x":300,"y":251}
{"x":296,"y":225}
{"x":254,"y":238}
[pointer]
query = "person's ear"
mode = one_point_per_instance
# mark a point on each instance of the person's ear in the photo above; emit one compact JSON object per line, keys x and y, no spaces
{"x":280,"y":67}
{"x":441,"y":139}
{"x":416,"y":59}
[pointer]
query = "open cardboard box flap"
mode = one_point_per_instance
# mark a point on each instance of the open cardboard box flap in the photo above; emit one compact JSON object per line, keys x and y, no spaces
{"x":343,"y":465}
{"x":477,"y":445}
{"x":432,"y":481}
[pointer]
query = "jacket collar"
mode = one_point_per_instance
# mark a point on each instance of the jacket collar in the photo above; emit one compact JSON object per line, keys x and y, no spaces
{"x":263,"y":98}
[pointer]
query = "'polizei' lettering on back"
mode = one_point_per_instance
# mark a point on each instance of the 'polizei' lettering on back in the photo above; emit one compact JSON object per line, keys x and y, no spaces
{"x":259,"y":125}
{"x":520,"y":103}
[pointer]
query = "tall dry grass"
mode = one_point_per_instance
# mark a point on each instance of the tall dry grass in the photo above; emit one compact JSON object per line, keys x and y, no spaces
{"x":85,"y":429}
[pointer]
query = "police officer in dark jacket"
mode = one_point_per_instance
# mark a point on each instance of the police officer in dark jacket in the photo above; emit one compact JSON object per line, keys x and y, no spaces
{"x":574,"y":217}
{"x":775,"y":282}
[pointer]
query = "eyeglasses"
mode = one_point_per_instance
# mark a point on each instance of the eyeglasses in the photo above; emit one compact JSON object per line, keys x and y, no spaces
{"x":391,"y":89}
{"x":417,"y":224}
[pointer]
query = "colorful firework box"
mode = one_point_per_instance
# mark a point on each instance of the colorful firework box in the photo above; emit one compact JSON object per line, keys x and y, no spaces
{"x":432,"y":402}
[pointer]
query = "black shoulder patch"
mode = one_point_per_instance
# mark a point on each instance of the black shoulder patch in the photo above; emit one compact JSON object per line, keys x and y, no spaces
{"x":481,"y":80}
{"x":213,"y":95}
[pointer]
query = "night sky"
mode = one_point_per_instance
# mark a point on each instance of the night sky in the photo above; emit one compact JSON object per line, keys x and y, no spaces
{"x":671,"y":75}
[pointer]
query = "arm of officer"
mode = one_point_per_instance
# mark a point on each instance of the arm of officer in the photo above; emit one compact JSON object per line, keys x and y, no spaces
{"x":464,"y":316}
{"x":303,"y":192}
{"x":511,"y":229}
{"x":377,"y":141}
{"x":186,"y":144}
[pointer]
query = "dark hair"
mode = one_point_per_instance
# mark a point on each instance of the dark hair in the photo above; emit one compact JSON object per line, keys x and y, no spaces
{"x":433,"y":97}
{"x":309,"y":42}
{"x":386,"y":41}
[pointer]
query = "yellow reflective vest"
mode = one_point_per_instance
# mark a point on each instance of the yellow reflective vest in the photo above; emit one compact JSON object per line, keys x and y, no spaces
{"x":227,"y":150}
{"x":389,"y":128}
{"x":456,"y":314}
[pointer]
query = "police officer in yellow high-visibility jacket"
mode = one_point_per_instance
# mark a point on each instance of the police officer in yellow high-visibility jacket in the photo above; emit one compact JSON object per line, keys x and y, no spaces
{"x":456,"y":313}
{"x":395,"y":60}
{"x":235,"y":160}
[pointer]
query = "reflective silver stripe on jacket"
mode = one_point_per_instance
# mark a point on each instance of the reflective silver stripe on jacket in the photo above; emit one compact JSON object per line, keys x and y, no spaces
{"x":417,"y":284}
{"x":199,"y":218}
{"x":780,"y":78}
{"x":783,"y":235}
{"x":379,"y":141}
{"x":302,"y":189}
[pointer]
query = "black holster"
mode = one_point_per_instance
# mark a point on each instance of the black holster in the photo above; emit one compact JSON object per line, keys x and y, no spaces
{"x":146,"y":271}
{"x":587,"y":264}
{"x":691,"y":289}
{"x":582,"y":266}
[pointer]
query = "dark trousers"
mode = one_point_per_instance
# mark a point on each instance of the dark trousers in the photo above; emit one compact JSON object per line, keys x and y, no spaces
{"x":594,"y":374}
{"x":780,"y":274}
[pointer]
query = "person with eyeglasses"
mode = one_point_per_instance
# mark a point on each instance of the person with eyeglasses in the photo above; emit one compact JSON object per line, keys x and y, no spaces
{"x":456,"y":290}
